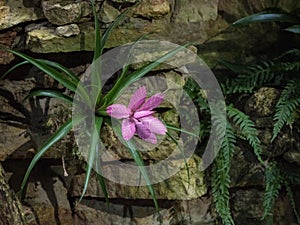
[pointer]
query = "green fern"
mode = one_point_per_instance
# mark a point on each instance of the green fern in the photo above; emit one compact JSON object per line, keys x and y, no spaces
{"x":287,"y":104}
{"x":268,"y":72}
{"x":221,"y":177}
{"x":273,"y":185}
{"x":247,"y":128}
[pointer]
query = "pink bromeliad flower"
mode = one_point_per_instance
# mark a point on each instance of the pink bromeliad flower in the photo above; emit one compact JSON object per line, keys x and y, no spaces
{"x":138,"y":116}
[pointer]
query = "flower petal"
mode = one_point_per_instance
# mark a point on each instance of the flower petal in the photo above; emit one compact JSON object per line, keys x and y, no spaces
{"x":152,"y":102}
{"x":152,"y":139}
{"x":142,"y":130}
{"x":138,"y":98}
{"x":140,"y":114}
{"x":155,"y":125}
{"x":128,"y":129}
{"x":118,"y":111}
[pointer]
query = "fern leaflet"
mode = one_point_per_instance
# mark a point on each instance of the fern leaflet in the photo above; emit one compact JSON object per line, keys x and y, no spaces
{"x":273,"y":185}
{"x":247,"y":128}
{"x":288,"y":102}
{"x":221,"y":177}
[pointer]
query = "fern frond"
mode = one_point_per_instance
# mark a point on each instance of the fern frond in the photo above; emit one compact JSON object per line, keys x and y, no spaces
{"x":287,"y":104}
{"x":273,"y":185}
{"x":221,"y":178}
{"x":266,"y":72}
{"x":247,"y":128}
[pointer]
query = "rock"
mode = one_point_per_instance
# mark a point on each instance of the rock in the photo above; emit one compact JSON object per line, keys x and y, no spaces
{"x":45,"y":40}
{"x":24,"y":125}
{"x":247,"y":171}
{"x":14,"y":12}
{"x":124,"y":1}
{"x":140,"y":212}
{"x":67,"y":30}
{"x":48,"y":202}
{"x":152,"y":9}
{"x":177,"y":187}
{"x":247,"y":206}
{"x":191,"y":11}
{"x":262,"y":103}
{"x":59,"y":12}
{"x":108,"y":14}
{"x":12,"y":212}
{"x":292,"y":156}
{"x":7,"y":40}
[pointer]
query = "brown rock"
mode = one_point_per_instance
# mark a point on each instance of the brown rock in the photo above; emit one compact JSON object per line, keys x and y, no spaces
{"x":152,"y":9}
{"x":262,"y":103}
{"x":7,"y":40}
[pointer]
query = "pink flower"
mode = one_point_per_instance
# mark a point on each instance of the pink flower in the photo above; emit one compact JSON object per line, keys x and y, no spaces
{"x":138,"y":116}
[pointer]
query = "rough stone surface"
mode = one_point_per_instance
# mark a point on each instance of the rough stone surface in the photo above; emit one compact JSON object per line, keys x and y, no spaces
{"x":176,"y":187}
{"x":152,"y":9}
{"x":191,"y":11}
{"x":13,"y":12}
{"x":246,"y":172}
{"x":124,"y":1}
{"x":108,"y":14}
{"x":48,"y":202}
{"x":292,"y":156}
{"x":65,"y":12}
{"x":67,"y":30}
{"x":11,"y":212}
{"x":7,"y":39}
{"x":262,"y":103}
{"x":194,"y":212}
{"x":45,"y":40}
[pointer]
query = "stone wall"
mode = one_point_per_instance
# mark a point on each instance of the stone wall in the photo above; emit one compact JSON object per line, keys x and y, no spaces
{"x":63,"y":31}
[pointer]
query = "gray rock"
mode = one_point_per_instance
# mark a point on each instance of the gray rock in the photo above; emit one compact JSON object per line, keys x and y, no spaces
{"x":140,"y":212}
{"x":107,"y":13}
{"x":152,"y":9}
{"x":14,"y":12}
{"x":177,"y":187}
{"x":60,"y":12}
{"x":191,"y":11}
{"x":67,"y":30}
{"x":262,"y":103}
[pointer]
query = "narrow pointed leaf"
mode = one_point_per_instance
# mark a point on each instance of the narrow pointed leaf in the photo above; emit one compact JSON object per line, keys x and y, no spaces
{"x":55,"y":74}
{"x":13,"y":68}
{"x":267,"y":17}
{"x":51,"y":94}
{"x":94,"y":140}
{"x":294,"y":29}
{"x":59,"y":134}
{"x":100,"y":178}
{"x":114,"y":94}
{"x":140,"y":163}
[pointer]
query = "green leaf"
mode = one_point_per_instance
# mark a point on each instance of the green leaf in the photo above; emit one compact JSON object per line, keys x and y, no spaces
{"x":94,"y":144}
{"x":140,"y":163}
{"x":235,"y":67}
{"x":267,"y":17}
{"x":13,"y":68}
{"x":294,"y":29}
{"x":59,"y":134}
{"x":113,"y":94}
{"x":48,"y":70}
{"x":51,"y":94}
{"x":182,"y":152}
{"x":169,"y":126}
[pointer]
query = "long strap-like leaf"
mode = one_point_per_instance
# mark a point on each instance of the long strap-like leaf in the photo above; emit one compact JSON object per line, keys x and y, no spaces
{"x":59,"y":134}
{"x":51,"y":94}
{"x":55,"y":74}
{"x":94,"y":144}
